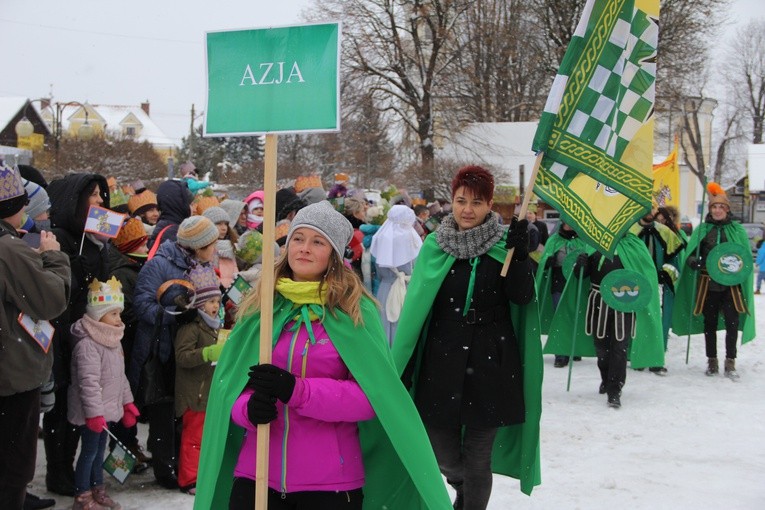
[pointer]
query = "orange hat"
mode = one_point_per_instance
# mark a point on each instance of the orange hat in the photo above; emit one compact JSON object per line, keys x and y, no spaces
{"x":282,"y":229}
{"x":131,"y":236}
{"x":202,"y":203}
{"x":717,"y":195}
{"x":307,"y":181}
{"x":141,"y":202}
{"x":341,"y":178}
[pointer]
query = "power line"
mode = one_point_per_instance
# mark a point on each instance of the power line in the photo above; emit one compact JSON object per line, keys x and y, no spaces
{"x":93,"y":32}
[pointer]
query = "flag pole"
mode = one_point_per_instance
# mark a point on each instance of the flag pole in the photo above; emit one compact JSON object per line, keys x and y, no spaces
{"x":524,"y":207}
{"x":696,"y":276}
{"x":576,"y":327}
{"x":266,"y":310}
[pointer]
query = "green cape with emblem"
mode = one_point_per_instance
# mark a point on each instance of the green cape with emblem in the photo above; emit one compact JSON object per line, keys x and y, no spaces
{"x":544,"y":276}
{"x":516,"y":447}
{"x":684,"y":298}
{"x":647,"y":347}
{"x":399,"y":465}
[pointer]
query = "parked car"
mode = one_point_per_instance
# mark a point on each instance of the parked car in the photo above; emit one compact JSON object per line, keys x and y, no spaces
{"x":755,"y":232}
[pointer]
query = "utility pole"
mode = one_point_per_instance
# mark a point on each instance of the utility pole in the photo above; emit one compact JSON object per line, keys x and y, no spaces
{"x":192,"y":135}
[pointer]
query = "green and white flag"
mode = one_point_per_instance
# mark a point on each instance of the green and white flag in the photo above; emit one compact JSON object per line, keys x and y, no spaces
{"x":596,"y":131}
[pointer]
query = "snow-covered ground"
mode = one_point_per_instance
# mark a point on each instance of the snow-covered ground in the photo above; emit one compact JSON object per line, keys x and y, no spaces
{"x":684,"y":441}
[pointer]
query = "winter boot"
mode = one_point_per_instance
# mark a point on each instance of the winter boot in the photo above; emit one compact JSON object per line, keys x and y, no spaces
{"x":560,"y":361}
{"x":614,"y":400}
{"x":712,"y":367}
{"x":103,"y":499}
{"x":730,"y":368}
{"x":85,"y":501}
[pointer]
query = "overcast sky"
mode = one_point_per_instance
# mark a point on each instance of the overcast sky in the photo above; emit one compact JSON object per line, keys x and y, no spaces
{"x":128,"y":52}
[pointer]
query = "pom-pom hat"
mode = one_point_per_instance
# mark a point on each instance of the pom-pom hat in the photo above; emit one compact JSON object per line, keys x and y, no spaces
{"x":323,"y":218}
{"x":197,"y":232}
{"x":103,"y":297}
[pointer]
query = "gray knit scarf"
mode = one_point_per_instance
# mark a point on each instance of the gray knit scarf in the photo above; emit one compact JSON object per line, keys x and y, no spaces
{"x":466,"y":244}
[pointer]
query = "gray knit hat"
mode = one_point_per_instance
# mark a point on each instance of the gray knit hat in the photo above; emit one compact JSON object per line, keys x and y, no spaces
{"x":38,"y":199}
{"x":233,"y":208}
{"x":197,"y":232}
{"x":216,"y":215}
{"x":323,"y":218}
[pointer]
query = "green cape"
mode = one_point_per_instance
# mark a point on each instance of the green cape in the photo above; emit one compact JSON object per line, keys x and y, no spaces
{"x":516,"y":447}
{"x":647,"y":348}
{"x":543,"y":277}
{"x":684,"y":289}
{"x":399,"y":464}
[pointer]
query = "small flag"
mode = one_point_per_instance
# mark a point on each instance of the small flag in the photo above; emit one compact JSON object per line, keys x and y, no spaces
{"x":119,"y":463}
{"x":103,"y":221}
{"x":238,"y":289}
{"x":40,"y":331}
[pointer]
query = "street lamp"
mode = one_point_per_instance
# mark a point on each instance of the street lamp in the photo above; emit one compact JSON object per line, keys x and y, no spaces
{"x":25,"y":128}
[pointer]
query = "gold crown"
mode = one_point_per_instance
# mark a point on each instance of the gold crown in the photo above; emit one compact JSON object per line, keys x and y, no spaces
{"x":101,"y":293}
{"x":202,"y":203}
{"x":135,"y":202}
{"x":307,"y":181}
{"x":282,"y":229}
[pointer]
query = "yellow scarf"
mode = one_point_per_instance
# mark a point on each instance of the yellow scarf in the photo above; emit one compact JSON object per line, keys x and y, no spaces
{"x":309,"y":303}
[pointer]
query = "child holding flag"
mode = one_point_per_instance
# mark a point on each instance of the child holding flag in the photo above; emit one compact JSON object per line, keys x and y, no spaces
{"x":100,"y":392}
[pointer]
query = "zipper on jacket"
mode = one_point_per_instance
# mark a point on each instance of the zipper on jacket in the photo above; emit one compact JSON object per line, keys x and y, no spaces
{"x":287,"y":418}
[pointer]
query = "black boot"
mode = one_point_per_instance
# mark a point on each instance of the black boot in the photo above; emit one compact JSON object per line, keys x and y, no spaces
{"x":32,"y":502}
{"x":59,"y":477}
{"x":614,"y":401}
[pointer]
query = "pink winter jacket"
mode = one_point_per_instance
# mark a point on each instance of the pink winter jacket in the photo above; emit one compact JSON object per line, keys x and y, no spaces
{"x":321,"y":450}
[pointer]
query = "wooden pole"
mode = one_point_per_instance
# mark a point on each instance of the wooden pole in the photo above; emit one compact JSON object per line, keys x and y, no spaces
{"x":696,"y":275}
{"x":266,"y":310}
{"x":524,"y":207}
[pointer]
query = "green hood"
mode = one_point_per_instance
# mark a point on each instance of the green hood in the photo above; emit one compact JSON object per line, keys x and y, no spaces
{"x":516,"y":448}
{"x":400,"y":467}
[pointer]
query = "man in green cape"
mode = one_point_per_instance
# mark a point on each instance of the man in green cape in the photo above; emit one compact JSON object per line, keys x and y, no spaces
{"x":400,"y":467}
{"x":647,"y":347}
{"x":551,"y":277}
{"x":516,"y":447}
{"x":712,"y":297}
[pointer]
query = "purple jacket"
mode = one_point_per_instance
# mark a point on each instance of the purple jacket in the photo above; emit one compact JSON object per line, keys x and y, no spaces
{"x":319,"y":450}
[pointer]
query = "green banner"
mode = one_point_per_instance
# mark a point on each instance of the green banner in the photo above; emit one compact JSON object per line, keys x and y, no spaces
{"x":273,"y":80}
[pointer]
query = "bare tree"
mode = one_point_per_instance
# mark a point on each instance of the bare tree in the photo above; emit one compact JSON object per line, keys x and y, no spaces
{"x":746,"y":69}
{"x":400,"y":50}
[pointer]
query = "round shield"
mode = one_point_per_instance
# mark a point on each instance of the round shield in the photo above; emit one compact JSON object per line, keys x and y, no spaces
{"x":625,"y":290}
{"x":727,"y":264}
{"x":569,"y":261}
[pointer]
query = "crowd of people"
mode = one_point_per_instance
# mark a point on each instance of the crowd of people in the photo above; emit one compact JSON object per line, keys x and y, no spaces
{"x":399,"y":353}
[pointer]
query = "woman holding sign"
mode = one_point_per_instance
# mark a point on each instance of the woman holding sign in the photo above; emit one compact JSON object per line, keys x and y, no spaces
{"x":344,"y":433}
{"x":469,"y":341}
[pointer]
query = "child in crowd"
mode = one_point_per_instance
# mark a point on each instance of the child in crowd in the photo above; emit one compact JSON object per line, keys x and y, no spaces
{"x":225,"y":260}
{"x":196,"y":348}
{"x":99,"y":392}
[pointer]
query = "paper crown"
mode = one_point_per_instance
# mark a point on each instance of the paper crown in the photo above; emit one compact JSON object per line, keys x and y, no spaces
{"x":131,"y":236}
{"x":282,"y":229}
{"x":11,"y":183}
{"x":202,"y":203}
{"x":146,"y":198}
{"x":307,"y":181}
{"x":341,"y":177}
{"x":106,"y":293}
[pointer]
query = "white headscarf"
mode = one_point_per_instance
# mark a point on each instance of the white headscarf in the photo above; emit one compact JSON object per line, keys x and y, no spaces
{"x":397,"y":242}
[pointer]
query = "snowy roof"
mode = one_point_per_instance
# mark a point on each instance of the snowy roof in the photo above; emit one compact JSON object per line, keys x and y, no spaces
{"x":9,"y":108}
{"x":502,"y":145}
{"x":114,"y":117}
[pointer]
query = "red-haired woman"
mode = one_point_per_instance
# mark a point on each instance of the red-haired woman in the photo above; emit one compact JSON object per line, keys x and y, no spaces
{"x":468,"y":344}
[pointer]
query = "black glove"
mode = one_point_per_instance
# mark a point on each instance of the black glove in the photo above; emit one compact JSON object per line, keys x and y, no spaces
{"x":518,"y":239}
{"x":261,"y":408}
{"x":664,"y":278}
{"x":272,"y":380}
{"x":348,"y":253}
{"x":694,"y":263}
{"x":582,"y":262}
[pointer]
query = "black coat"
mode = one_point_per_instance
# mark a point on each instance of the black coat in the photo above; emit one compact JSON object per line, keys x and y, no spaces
{"x":471,"y":371}
{"x":174,"y":201}
{"x":126,"y":269}
{"x":68,"y":213}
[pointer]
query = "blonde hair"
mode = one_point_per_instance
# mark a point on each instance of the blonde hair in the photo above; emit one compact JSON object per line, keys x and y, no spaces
{"x":344,"y":289}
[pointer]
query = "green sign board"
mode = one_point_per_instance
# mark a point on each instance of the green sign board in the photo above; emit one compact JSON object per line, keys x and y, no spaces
{"x":273,"y":80}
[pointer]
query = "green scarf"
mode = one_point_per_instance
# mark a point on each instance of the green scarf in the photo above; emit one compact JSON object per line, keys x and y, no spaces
{"x":400,"y":468}
{"x":684,"y":295}
{"x":516,"y":447}
{"x":647,"y":348}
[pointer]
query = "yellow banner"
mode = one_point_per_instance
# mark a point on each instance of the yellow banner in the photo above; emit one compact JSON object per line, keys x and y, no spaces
{"x":32,"y":142}
{"x":666,"y":181}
